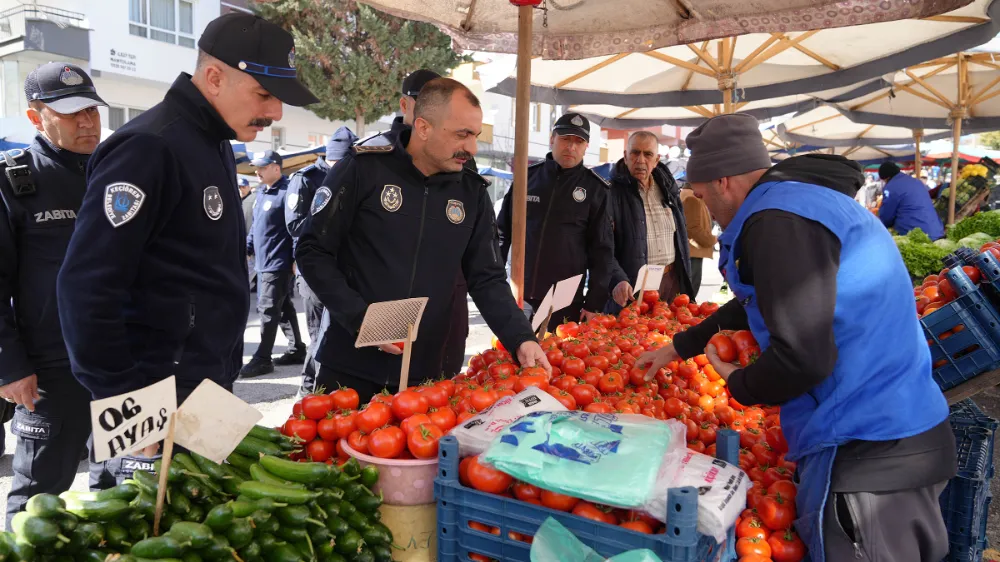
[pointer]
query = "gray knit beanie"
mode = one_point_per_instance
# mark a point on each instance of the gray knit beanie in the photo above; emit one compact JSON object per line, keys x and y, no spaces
{"x":726,"y":146}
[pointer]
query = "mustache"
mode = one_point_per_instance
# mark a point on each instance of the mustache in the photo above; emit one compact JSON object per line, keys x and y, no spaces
{"x":260,"y":123}
{"x":463,"y":155}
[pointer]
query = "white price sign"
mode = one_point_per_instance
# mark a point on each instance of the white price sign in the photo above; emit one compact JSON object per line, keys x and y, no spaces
{"x":128,"y":422}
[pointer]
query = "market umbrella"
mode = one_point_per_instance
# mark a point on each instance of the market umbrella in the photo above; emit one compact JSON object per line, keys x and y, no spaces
{"x":960,"y":92}
{"x":864,"y":155}
{"x":291,"y":161}
{"x":574,"y":29}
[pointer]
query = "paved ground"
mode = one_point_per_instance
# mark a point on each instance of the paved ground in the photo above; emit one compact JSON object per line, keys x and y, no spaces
{"x":273,"y":394}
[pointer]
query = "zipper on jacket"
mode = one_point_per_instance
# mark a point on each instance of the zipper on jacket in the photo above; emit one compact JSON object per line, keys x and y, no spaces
{"x":420,"y":237}
{"x":855,"y":536}
{"x":541,"y":238}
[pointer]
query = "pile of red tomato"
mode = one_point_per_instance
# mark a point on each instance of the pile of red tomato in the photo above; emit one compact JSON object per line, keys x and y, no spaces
{"x":594,"y":370}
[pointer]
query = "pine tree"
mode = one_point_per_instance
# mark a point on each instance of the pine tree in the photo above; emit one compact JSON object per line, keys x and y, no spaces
{"x":353,"y":57}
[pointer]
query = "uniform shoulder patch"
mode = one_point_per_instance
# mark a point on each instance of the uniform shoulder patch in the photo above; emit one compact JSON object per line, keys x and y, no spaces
{"x":122,"y":202}
{"x":600,"y":177}
{"x":373,"y":149}
{"x":320,"y":199}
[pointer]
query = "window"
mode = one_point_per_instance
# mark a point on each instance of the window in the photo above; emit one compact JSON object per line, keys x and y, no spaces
{"x":536,"y":117}
{"x":133,"y":113}
{"x":317,"y":139}
{"x":277,"y":138}
{"x":169,"y":21}
{"x":552,"y":116}
{"x":118,"y":116}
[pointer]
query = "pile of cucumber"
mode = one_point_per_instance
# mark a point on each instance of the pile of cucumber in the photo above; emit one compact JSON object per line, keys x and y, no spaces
{"x":266,"y":510}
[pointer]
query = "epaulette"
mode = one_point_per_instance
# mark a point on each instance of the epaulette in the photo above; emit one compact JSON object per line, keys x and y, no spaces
{"x":600,"y":177}
{"x":477,"y":176}
{"x":380,"y":149}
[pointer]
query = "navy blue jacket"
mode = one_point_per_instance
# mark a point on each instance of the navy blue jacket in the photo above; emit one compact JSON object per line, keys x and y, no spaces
{"x":380,"y":230}
{"x":155,"y":279}
{"x":301,"y":188}
{"x":907,"y":204}
{"x":35,"y":229}
{"x":269,"y":241}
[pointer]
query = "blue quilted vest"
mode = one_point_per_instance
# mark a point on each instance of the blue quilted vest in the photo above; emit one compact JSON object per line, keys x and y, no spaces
{"x":881,"y":387}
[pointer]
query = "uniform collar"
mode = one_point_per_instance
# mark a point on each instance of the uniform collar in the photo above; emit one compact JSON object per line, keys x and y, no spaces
{"x":554,"y":166}
{"x":70,"y":160}
{"x":400,"y":152}
{"x":186,"y":97}
{"x":281,"y":183}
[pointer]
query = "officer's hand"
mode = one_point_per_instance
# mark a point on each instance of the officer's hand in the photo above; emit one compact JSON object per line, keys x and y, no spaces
{"x":724,"y":369}
{"x":150,"y":451}
{"x":657,"y":359}
{"x":586,"y":315}
{"x":530,"y":354}
{"x":23,"y":392}
{"x":391,"y":349}
{"x":622,"y":293}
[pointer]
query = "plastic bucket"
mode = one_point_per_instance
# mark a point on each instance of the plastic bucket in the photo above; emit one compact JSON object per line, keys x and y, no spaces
{"x":401,"y":481}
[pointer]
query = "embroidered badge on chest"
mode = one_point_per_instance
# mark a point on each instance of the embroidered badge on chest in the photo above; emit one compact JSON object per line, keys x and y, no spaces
{"x":455,"y":210}
{"x":392,"y":198}
{"x":320,"y":199}
{"x":267,"y":205}
{"x":122,"y":202}
{"x":212,"y":202}
{"x":579,"y":194}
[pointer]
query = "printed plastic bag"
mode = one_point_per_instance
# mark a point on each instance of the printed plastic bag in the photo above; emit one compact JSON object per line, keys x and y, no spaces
{"x":722,"y":491}
{"x":574,"y":452}
{"x":476,"y":434}
{"x":555,"y":543}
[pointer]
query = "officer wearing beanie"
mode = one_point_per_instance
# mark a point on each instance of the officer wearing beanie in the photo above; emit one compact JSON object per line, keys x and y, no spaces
{"x":816,"y":279}
{"x":40,"y":190}
{"x":155,"y":278}
{"x":301,"y":188}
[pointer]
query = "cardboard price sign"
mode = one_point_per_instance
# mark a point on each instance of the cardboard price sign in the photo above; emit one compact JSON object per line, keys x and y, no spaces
{"x":128,"y":422}
{"x":213,"y":421}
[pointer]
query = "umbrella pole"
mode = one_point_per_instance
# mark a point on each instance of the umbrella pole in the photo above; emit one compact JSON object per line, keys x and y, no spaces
{"x":727,"y":101}
{"x":521,"y":119}
{"x":957,"y":114}
{"x":917,"y":163}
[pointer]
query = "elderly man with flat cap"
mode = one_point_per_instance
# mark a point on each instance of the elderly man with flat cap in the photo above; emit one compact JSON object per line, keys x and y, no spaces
{"x":155,"y":279}
{"x":816,"y":279}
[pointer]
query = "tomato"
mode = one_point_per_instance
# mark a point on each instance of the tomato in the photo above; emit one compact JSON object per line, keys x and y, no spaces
{"x":410,"y":424}
{"x":448,"y":385}
{"x":383,"y":397}
{"x":752,"y":527}
{"x":407,"y":403}
{"x":638,"y":526}
{"x":707,"y":434}
{"x":316,"y":406}
{"x":320,"y":450}
{"x":776,"y":513}
{"x":764,"y":454}
{"x":297,"y":409}
{"x":301,"y":427}
{"x":708,"y":308}
{"x":597,"y":362}
{"x":783,"y":488}
{"x":486,"y":479}
{"x":568,"y":330}
{"x":387,"y":442}
{"x":524,"y":491}
{"x":573,"y":366}
{"x":358,"y":441}
{"x":436,"y":396}
{"x":681,"y":300}
{"x":743,"y":339}
{"x":564,"y":398}
{"x":774,"y":474}
{"x":423,"y":441}
{"x":464,"y":415}
{"x":584,"y":394}
{"x":483,"y":398}
{"x":749,"y":356}
{"x":557,"y":501}
{"x":476,"y":363}
{"x":786,"y":546}
{"x":752,"y":545}
{"x":444,"y":418}
{"x":374,"y":416}
{"x":345,"y":399}
{"x":724,"y":347}
{"x":503,"y":368}
{"x":463,"y":471}
{"x":776,"y":440}
{"x":326,"y":428}
{"x":755,"y":558}
{"x":565,"y":382}
{"x":524,"y":381}
{"x":611,"y":383}
{"x":696,"y":446}
{"x":490,"y":356}
{"x":590,"y":511}
{"x":555,"y":357}
{"x":346,"y":423}
{"x":972,"y":272}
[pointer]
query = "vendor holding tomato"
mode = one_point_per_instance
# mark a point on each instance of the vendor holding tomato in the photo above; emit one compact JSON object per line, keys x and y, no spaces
{"x":821,"y":286}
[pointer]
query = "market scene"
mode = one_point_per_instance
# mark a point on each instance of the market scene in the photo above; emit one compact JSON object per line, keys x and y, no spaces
{"x":499,"y":280}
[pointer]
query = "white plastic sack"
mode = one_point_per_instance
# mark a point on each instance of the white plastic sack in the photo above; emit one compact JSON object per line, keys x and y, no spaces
{"x":476,"y":434}
{"x":722,"y":491}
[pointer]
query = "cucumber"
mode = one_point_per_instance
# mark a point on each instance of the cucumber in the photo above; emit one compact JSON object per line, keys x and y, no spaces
{"x":364,"y":555}
{"x":131,"y":516}
{"x":127,"y":491}
{"x":23,"y":551}
{"x":240,"y":533}
{"x":158,"y":547}
{"x":267,"y":541}
{"x":197,"y":535}
{"x":220,"y":517}
{"x":168,"y":520}
{"x":283,"y":494}
{"x":293,"y":515}
{"x":305,"y":549}
{"x":117,"y":536}
{"x":260,"y":474}
{"x":219,"y":550}
{"x":368,"y":504}
{"x":231,"y":485}
{"x":267,"y":434}
{"x":144,"y":504}
{"x":330,"y":495}
{"x":265,"y":522}
{"x":310,"y":473}
{"x":347,"y":509}
{"x":93,"y":533}
{"x":192,"y":488}
{"x":254,"y":448}
{"x":358,"y":522}
{"x":37,"y":531}
{"x":209,"y":467}
{"x":118,"y":557}
{"x":67,"y":522}
{"x":382,"y":552}
{"x":187,"y":463}
{"x":283,"y":553}
{"x":140,"y":530}
{"x":242,"y":508}
{"x":351,"y":468}
{"x":252,"y":552}
{"x":292,"y":534}
{"x":180,"y":504}
{"x":332,"y":509}
{"x":241,"y":462}
{"x":190,"y":556}
{"x":337,"y":525}
{"x":174,"y":473}
{"x":45,"y":505}
{"x":139,"y":559}
{"x":375,"y":536}
{"x":196,"y":515}
{"x":355,"y":490}
{"x":369,"y":476}
{"x":146,"y":481}
{"x":350,"y":543}
{"x":93,"y":555}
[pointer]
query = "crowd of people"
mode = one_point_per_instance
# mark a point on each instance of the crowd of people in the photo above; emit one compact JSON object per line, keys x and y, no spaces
{"x":126,"y":261}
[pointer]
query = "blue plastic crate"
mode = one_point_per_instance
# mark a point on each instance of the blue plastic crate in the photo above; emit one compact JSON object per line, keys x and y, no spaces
{"x":457,"y":506}
{"x":965,"y":501}
{"x":968,"y":413}
{"x":973,"y":350}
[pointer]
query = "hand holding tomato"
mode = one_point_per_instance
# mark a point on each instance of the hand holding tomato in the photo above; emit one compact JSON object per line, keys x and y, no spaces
{"x":657,"y":359}
{"x":530,"y":354}
{"x":721,"y":367}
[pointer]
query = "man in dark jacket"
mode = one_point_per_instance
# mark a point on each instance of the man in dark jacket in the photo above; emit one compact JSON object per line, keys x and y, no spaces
{"x":906,"y":203}
{"x":568,"y":229}
{"x":648,"y":222}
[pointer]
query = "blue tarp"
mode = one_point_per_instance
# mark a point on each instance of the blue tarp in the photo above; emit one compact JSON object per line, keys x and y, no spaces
{"x":9,"y":145}
{"x":489,"y":171}
{"x":604,"y":170}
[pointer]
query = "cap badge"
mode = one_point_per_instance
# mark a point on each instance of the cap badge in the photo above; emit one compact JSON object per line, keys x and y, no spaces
{"x":291,"y":58}
{"x":579,"y":194}
{"x":212,"y":202}
{"x":455,"y":211}
{"x":70,"y":77}
{"x":577,"y":121}
{"x":392,"y":198}
{"x":242,"y":65}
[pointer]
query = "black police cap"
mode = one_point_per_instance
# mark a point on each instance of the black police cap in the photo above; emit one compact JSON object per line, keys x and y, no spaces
{"x":259,"y":48}
{"x":573,"y":124}
{"x":413,"y":83}
{"x":266,"y":158}
{"x":65,"y":88}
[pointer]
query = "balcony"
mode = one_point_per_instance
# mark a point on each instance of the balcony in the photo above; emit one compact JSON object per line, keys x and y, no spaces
{"x":44,"y":28}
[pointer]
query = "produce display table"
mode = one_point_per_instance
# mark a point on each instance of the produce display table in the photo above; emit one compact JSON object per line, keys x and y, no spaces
{"x":973,"y":387}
